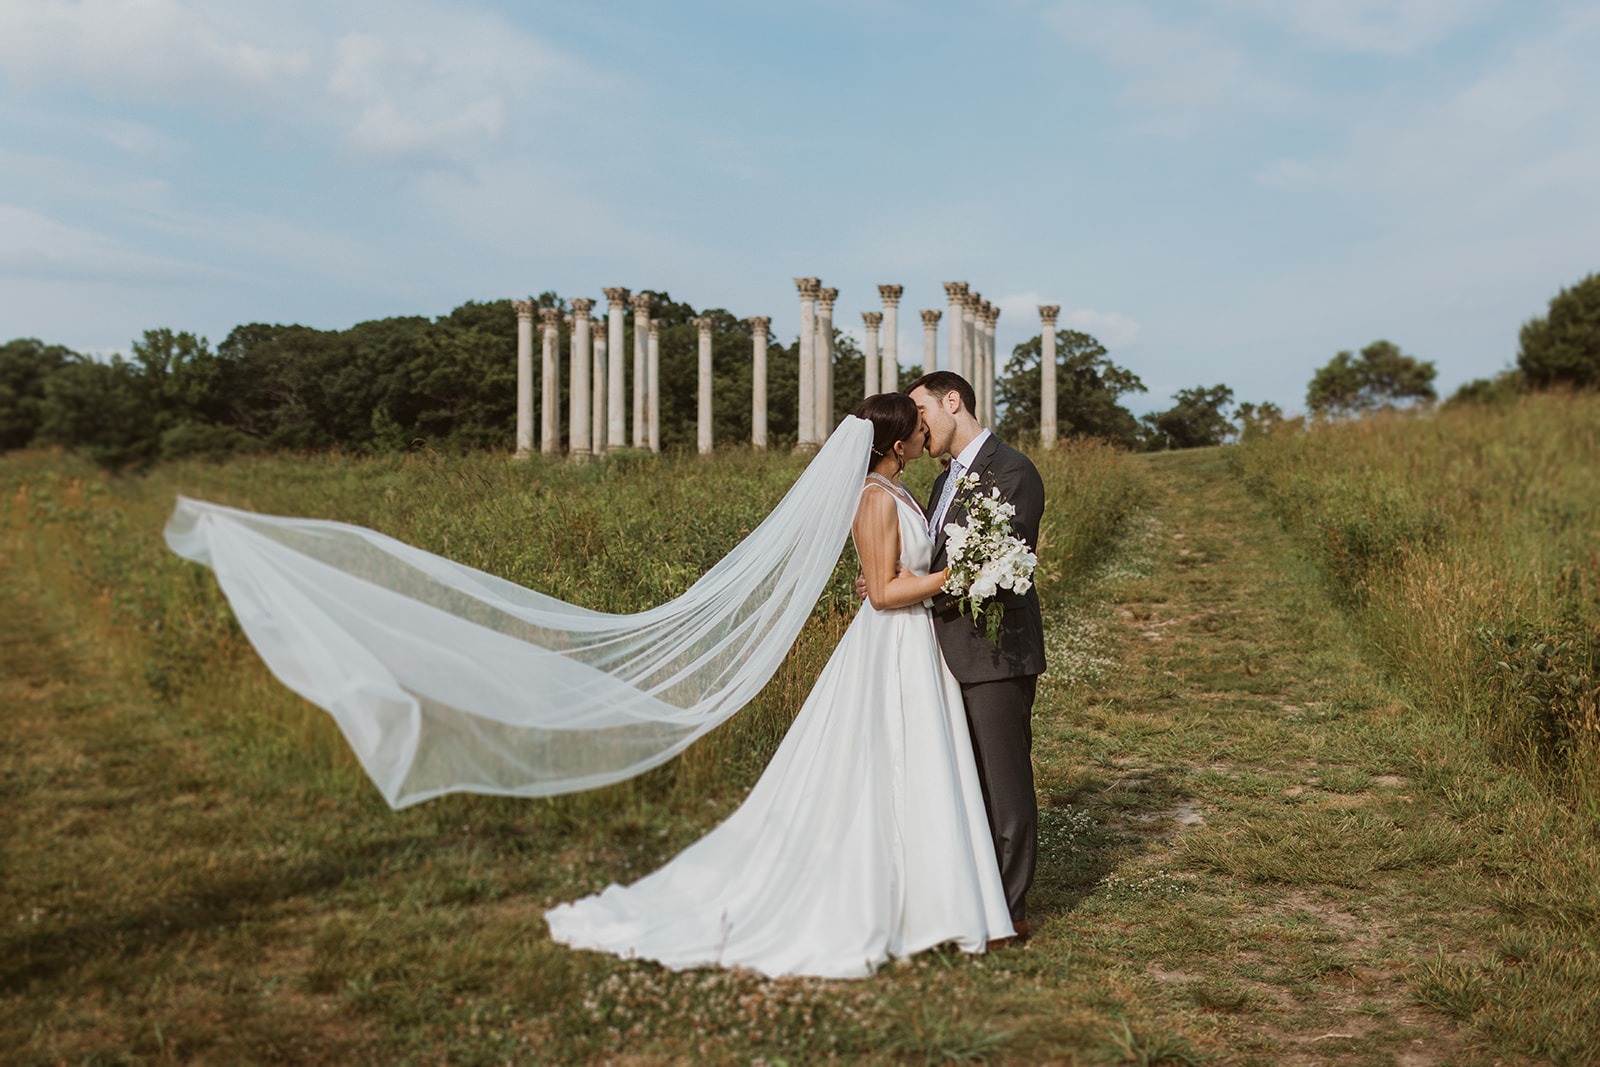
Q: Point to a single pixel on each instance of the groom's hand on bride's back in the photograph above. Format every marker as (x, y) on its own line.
(900, 571)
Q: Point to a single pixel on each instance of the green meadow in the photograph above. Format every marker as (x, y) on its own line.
(1316, 757)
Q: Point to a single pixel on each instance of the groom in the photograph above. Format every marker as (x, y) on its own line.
(998, 679)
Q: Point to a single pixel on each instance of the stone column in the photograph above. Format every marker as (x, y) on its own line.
(653, 386)
(550, 384)
(616, 370)
(969, 340)
(930, 340)
(641, 370)
(760, 326)
(824, 355)
(703, 408)
(598, 368)
(957, 292)
(889, 376)
(1047, 375)
(870, 356)
(578, 429)
(524, 310)
(807, 415)
(991, 315)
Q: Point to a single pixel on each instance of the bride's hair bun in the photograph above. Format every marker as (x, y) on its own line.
(894, 418)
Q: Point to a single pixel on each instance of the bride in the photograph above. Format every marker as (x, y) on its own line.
(866, 837)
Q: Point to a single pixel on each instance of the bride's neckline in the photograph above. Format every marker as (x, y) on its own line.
(894, 487)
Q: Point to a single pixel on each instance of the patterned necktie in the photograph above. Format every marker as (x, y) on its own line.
(950, 480)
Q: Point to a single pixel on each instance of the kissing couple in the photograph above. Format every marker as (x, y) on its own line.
(897, 814)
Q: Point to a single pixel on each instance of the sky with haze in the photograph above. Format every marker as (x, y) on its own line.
(1219, 190)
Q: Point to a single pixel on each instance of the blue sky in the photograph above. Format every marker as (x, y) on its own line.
(1221, 190)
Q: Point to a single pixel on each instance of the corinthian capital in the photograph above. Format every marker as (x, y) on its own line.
(890, 295)
(808, 287)
(1048, 313)
(617, 297)
(655, 327)
(581, 306)
(930, 318)
(550, 317)
(760, 325)
(524, 310)
(873, 319)
(703, 323)
(641, 306)
(825, 299)
(957, 291)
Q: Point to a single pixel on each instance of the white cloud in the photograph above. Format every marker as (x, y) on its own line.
(34, 247)
(1384, 26)
(1118, 332)
(1517, 134)
(145, 49)
(1179, 69)
(416, 83)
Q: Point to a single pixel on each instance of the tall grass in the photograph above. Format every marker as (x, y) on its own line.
(618, 535)
(1467, 542)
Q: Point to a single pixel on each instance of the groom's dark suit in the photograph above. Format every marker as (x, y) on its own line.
(998, 679)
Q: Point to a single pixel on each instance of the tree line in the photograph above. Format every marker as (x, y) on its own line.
(450, 383)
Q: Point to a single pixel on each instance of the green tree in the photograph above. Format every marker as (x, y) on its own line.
(1380, 377)
(1563, 347)
(1198, 419)
(1502, 388)
(25, 365)
(1256, 420)
(1089, 388)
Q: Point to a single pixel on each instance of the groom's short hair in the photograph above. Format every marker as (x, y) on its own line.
(942, 383)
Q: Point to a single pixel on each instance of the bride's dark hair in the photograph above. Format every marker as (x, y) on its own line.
(894, 418)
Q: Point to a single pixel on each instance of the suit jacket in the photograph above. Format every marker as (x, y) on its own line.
(1020, 650)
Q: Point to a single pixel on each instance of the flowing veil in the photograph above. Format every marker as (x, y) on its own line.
(446, 679)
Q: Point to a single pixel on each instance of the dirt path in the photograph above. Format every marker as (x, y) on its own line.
(1265, 878)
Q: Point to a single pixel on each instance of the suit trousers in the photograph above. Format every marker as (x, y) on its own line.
(1000, 716)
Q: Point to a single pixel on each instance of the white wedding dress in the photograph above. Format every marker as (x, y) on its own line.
(865, 839)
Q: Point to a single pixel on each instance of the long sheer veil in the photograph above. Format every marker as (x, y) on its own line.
(445, 679)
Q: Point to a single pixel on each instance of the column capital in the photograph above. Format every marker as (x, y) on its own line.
(973, 301)
(655, 327)
(581, 306)
(550, 317)
(873, 319)
(891, 294)
(808, 287)
(760, 325)
(703, 323)
(524, 310)
(825, 299)
(991, 314)
(1048, 313)
(930, 317)
(641, 305)
(956, 291)
(617, 297)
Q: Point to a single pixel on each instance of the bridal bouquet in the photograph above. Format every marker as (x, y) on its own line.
(985, 556)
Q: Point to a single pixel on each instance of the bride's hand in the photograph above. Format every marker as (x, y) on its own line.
(900, 571)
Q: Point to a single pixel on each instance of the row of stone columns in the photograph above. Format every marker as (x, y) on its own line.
(597, 417)
(597, 397)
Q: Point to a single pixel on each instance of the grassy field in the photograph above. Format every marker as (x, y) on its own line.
(1465, 544)
(1258, 845)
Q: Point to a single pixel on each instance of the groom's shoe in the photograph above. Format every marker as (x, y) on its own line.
(1023, 931)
